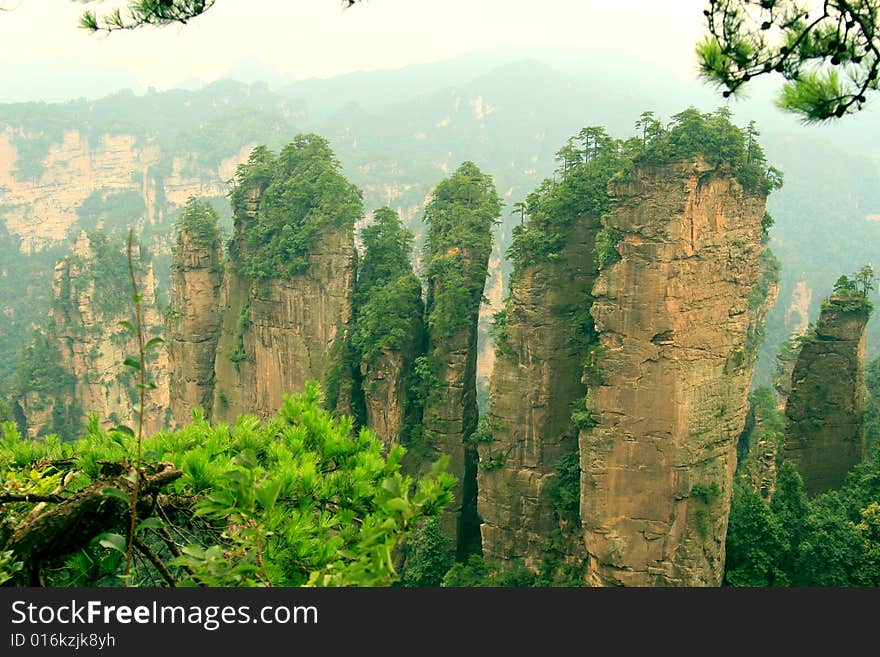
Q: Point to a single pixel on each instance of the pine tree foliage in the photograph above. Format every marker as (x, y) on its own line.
(460, 217)
(828, 53)
(296, 196)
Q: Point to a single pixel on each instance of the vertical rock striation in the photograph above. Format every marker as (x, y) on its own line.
(279, 333)
(92, 297)
(535, 382)
(193, 319)
(384, 380)
(824, 434)
(450, 418)
(668, 394)
(286, 299)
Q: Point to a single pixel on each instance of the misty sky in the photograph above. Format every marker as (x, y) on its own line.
(45, 56)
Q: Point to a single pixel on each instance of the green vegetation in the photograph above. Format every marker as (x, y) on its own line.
(389, 317)
(828, 540)
(564, 489)
(25, 299)
(388, 295)
(243, 323)
(42, 380)
(460, 216)
(761, 439)
(492, 462)
(606, 247)
(827, 54)
(427, 556)
(872, 410)
(387, 246)
(299, 499)
(475, 571)
(581, 418)
(224, 135)
(705, 496)
(499, 331)
(421, 385)
(39, 368)
(592, 159)
(579, 188)
(110, 210)
(102, 276)
(301, 196)
(199, 221)
(851, 293)
(215, 122)
(721, 142)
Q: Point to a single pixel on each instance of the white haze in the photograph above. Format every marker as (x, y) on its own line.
(46, 57)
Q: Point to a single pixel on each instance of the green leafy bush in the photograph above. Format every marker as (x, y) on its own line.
(606, 247)
(298, 499)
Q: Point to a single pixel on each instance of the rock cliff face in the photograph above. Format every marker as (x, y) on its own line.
(42, 209)
(450, 417)
(193, 325)
(785, 362)
(385, 393)
(535, 382)
(384, 382)
(668, 393)
(37, 411)
(759, 469)
(277, 334)
(88, 310)
(824, 435)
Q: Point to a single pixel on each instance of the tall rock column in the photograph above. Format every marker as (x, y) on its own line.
(389, 328)
(824, 435)
(460, 217)
(193, 318)
(534, 385)
(286, 300)
(668, 390)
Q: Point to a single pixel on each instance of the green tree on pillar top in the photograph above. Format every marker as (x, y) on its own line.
(460, 216)
(387, 245)
(388, 295)
(301, 194)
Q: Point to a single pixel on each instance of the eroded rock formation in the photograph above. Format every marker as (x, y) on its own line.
(824, 434)
(279, 333)
(460, 217)
(668, 394)
(92, 297)
(384, 381)
(41, 208)
(281, 329)
(193, 324)
(534, 385)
